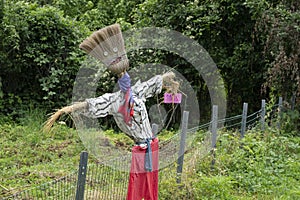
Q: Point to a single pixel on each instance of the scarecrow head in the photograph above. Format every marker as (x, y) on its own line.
(107, 45)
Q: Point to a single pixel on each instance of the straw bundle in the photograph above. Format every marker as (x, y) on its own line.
(65, 110)
(169, 83)
(107, 45)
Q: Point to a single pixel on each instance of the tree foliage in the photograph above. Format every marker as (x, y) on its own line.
(254, 43)
(224, 29)
(39, 55)
(279, 31)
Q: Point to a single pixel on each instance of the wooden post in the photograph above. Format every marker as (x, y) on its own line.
(244, 120)
(81, 175)
(182, 145)
(214, 127)
(263, 114)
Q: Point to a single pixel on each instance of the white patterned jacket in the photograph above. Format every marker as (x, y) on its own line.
(109, 103)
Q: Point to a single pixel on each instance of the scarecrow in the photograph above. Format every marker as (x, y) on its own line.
(128, 108)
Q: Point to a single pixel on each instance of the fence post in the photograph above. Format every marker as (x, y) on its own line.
(263, 114)
(293, 101)
(279, 112)
(154, 129)
(244, 119)
(182, 145)
(214, 126)
(81, 175)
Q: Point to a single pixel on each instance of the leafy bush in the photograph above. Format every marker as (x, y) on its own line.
(215, 187)
(39, 55)
(291, 123)
(264, 163)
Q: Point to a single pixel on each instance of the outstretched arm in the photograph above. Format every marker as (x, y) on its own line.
(65, 110)
(154, 85)
(96, 107)
(101, 106)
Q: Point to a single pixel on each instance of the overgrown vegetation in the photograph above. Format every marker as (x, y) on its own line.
(28, 157)
(254, 43)
(263, 165)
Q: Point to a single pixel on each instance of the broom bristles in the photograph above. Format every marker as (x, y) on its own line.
(100, 36)
(107, 45)
(65, 110)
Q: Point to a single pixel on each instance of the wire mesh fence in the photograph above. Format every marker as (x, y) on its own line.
(63, 188)
(105, 182)
(108, 180)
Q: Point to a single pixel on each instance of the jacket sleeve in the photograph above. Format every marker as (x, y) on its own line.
(100, 106)
(148, 88)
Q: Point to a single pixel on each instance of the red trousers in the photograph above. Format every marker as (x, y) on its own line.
(143, 185)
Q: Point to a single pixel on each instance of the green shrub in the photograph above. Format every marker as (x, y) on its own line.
(169, 189)
(214, 187)
(290, 123)
(264, 162)
(39, 57)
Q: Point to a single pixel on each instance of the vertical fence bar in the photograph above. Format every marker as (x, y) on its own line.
(293, 101)
(244, 119)
(81, 175)
(154, 129)
(263, 114)
(182, 145)
(214, 127)
(279, 112)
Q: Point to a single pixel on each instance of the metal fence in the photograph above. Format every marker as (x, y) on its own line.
(103, 181)
(63, 188)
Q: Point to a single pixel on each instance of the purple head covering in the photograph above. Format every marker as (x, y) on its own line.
(124, 82)
(127, 108)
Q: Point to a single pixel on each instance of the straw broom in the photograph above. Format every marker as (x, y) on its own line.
(106, 45)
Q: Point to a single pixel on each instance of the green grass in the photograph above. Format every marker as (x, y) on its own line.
(264, 165)
(29, 157)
